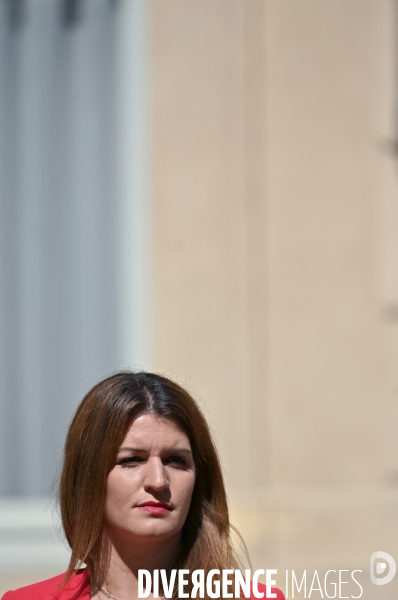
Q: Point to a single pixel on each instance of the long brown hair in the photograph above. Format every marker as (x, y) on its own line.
(97, 430)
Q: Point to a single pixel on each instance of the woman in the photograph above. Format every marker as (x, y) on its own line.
(141, 488)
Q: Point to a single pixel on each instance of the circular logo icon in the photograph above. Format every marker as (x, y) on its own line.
(379, 561)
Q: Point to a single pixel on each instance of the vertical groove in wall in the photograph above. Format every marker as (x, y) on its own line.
(133, 187)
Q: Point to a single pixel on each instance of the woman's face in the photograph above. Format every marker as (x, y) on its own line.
(149, 489)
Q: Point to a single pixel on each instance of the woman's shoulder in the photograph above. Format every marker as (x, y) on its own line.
(263, 590)
(77, 588)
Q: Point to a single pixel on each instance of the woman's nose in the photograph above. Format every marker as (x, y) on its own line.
(156, 476)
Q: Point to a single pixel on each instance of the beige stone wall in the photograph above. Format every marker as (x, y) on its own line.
(275, 262)
(209, 216)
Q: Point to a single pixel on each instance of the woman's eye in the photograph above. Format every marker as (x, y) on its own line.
(178, 461)
(130, 461)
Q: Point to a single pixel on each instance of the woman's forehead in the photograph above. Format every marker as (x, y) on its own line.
(149, 430)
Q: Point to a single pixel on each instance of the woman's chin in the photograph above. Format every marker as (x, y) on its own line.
(152, 531)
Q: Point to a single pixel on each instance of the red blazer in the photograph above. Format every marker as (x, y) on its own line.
(77, 588)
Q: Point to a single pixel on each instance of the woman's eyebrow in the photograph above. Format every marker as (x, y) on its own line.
(129, 449)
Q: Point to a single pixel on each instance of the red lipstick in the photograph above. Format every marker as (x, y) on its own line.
(155, 508)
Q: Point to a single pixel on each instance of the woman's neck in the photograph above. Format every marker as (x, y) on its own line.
(126, 557)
